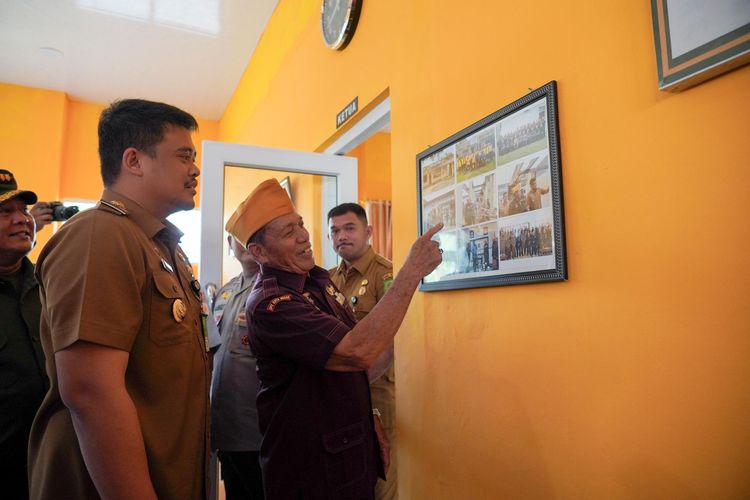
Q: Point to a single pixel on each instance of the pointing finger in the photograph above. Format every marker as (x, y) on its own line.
(432, 231)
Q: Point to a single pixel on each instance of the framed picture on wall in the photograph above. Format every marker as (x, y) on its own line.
(497, 189)
(696, 40)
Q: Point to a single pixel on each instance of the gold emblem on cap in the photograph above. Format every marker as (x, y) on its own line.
(179, 310)
(362, 290)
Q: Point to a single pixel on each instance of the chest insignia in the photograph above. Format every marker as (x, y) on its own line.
(225, 295)
(340, 298)
(245, 340)
(309, 298)
(330, 290)
(241, 320)
(362, 290)
(387, 281)
(179, 310)
(195, 285)
(166, 266)
(365, 282)
(275, 301)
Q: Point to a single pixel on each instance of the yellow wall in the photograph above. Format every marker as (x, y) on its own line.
(630, 380)
(374, 167)
(31, 141)
(50, 142)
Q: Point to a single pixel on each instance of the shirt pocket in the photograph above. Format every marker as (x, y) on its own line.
(164, 329)
(240, 341)
(345, 456)
(365, 304)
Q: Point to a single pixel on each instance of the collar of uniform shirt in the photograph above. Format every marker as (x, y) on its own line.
(296, 281)
(360, 266)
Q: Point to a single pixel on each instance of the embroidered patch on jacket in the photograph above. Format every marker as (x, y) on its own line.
(275, 301)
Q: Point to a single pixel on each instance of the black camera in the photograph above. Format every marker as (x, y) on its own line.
(60, 212)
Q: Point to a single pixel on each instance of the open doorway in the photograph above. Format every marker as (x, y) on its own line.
(368, 140)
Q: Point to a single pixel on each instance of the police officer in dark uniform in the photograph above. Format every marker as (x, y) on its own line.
(22, 378)
(314, 408)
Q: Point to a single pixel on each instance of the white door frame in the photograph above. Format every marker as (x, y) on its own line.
(372, 122)
(216, 155)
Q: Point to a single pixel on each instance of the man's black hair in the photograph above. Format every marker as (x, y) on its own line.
(135, 123)
(258, 237)
(345, 208)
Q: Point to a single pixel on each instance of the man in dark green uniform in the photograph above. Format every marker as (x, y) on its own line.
(363, 277)
(22, 378)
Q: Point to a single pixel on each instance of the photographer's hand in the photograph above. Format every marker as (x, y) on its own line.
(42, 214)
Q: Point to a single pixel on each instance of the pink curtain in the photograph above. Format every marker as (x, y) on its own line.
(379, 217)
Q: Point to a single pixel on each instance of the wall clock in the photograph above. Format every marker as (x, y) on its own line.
(338, 20)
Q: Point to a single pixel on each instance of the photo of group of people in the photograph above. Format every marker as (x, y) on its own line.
(479, 249)
(493, 192)
(476, 154)
(525, 240)
(522, 133)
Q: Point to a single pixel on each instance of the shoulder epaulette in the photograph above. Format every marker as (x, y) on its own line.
(115, 205)
(383, 261)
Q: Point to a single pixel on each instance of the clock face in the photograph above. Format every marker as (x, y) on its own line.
(338, 20)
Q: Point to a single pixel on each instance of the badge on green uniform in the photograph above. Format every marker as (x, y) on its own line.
(387, 281)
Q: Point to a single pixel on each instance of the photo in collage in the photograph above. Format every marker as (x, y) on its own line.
(492, 192)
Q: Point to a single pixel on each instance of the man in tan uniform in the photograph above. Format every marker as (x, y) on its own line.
(126, 415)
(534, 197)
(363, 277)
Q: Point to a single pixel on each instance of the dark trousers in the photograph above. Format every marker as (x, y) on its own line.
(240, 471)
(13, 467)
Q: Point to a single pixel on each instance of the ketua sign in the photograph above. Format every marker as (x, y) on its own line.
(347, 112)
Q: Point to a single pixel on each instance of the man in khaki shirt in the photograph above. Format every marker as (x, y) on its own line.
(363, 277)
(127, 412)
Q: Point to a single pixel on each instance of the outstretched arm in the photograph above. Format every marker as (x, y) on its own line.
(360, 348)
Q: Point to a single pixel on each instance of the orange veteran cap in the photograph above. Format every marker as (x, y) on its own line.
(267, 202)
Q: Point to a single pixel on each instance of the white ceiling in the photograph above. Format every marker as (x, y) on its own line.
(189, 53)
